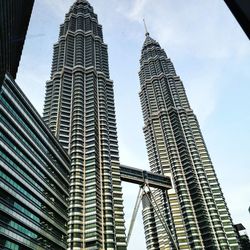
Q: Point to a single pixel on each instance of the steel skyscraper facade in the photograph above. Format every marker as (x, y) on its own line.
(194, 208)
(79, 109)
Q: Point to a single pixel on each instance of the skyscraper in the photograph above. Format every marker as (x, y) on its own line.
(79, 109)
(14, 21)
(194, 209)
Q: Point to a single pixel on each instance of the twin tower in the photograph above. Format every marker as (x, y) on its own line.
(79, 109)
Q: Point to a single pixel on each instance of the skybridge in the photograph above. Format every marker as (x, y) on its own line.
(143, 177)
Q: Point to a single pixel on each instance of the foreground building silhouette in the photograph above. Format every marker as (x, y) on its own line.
(195, 208)
(14, 21)
(79, 110)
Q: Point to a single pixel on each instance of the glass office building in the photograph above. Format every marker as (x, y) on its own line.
(34, 176)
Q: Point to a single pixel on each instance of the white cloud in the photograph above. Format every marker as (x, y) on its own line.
(199, 29)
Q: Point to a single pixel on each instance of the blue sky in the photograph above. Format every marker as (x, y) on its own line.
(210, 53)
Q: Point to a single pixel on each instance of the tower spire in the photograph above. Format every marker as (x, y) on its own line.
(145, 26)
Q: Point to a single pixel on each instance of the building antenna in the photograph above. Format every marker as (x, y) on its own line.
(145, 26)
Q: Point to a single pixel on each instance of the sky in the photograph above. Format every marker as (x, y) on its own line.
(210, 53)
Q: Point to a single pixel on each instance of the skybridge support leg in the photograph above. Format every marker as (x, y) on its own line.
(161, 217)
(157, 211)
(136, 208)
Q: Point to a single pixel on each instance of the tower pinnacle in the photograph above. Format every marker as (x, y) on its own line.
(145, 26)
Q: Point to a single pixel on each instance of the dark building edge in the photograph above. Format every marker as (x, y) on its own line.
(241, 11)
(14, 21)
